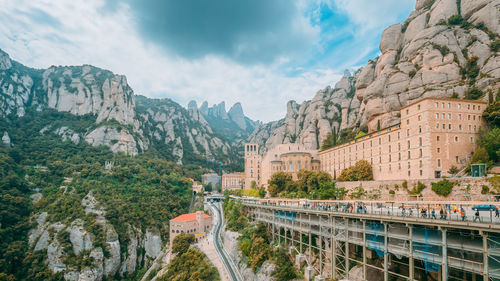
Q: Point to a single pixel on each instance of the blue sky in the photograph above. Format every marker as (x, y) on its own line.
(261, 53)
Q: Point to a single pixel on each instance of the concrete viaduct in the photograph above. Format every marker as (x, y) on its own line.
(333, 239)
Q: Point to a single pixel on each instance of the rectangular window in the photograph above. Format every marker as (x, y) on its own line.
(439, 162)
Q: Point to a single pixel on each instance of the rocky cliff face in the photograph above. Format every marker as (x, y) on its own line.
(445, 48)
(331, 109)
(87, 90)
(108, 259)
(179, 130)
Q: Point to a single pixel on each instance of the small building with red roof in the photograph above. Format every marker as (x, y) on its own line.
(197, 223)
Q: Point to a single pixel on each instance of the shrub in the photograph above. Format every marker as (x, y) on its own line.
(412, 73)
(392, 192)
(471, 70)
(455, 20)
(358, 192)
(473, 93)
(453, 170)
(443, 187)
(417, 190)
(491, 142)
(495, 46)
(485, 189)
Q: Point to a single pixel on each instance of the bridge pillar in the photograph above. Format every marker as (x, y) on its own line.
(444, 270)
(486, 273)
(310, 240)
(309, 272)
(386, 254)
(346, 225)
(364, 249)
(412, 263)
(334, 249)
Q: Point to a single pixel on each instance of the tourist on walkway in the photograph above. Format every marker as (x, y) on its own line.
(433, 214)
(476, 216)
(462, 214)
(497, 212)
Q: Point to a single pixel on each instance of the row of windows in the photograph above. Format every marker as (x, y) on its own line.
(460, 128)
(459, 116)
(459, 106)
(449, 106)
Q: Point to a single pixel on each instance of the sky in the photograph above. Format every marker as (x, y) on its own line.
(261, 53)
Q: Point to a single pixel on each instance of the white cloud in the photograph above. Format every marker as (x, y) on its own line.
(374, 14)
(89, 35)
(109, 40)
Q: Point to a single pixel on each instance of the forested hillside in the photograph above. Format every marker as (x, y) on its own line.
(65, 214)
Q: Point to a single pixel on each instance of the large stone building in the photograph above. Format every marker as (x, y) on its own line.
(193, 223)
(289, 158)
(232, 181)
(434, 135)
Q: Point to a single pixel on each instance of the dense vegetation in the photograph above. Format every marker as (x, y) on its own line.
(361, 171)
(255, 245)
(309, 184)
(190, 264)
(443, 187)
(143, 191)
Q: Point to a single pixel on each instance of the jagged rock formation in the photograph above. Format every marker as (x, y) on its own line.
(63, 241)
(331, 109)
(445, 48)
(233, 125)
(120, 124)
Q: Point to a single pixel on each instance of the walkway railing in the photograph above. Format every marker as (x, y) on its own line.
(476, 212)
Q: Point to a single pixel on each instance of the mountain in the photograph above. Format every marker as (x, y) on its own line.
(232, 125)
(445, 48)
(124, 122)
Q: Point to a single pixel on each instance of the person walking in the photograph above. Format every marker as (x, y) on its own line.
(497, 212)
(462, 214)
(433, 214)
(476, 216)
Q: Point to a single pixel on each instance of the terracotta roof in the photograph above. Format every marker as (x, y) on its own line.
(188, 217)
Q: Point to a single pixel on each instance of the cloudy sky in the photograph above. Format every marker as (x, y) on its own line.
(259, 52)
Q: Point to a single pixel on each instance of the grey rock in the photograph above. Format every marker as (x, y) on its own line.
(6, 139)
(236, 114)
(79, 237)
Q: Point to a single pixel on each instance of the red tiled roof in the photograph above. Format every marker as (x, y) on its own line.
(188, 217)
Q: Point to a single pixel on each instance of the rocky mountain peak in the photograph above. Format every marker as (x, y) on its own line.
(5, 62)
(236, 114)
(204, 108)
(192, 105)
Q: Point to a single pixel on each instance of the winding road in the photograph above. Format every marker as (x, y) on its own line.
(231, 268)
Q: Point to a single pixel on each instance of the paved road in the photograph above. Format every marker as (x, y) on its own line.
(232, 270)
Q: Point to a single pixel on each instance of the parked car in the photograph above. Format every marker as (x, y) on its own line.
(484, 207)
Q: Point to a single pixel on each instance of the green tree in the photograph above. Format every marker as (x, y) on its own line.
(279, 182)
(182, 242)
(491, 142)
(492, 114)
(361, 171)
(329, 141)
(480, 155)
